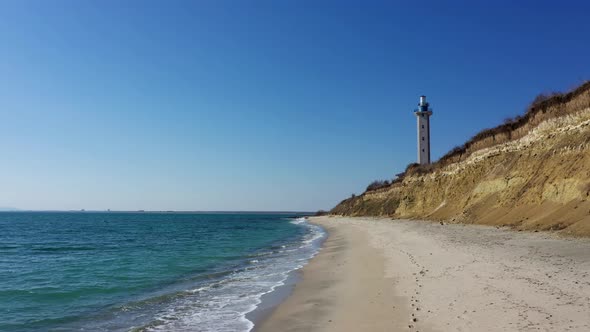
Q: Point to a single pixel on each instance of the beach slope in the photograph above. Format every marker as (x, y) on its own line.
(391, 275)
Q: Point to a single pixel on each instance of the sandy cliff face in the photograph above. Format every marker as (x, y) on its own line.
(539, 181)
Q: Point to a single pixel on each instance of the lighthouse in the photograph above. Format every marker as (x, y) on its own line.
(423, 114)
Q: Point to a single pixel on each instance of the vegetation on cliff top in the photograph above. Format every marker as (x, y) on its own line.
(544, 107)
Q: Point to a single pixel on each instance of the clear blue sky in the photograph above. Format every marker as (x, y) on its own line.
(258, 105)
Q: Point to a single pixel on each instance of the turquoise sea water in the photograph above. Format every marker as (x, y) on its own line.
(144, 271)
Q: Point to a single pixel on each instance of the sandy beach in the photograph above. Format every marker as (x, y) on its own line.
(391, 275)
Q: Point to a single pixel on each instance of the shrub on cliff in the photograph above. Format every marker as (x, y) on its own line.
(411, 166)
(417, 169)
(377, 184)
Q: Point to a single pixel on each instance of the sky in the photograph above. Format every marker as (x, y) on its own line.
(258, 105)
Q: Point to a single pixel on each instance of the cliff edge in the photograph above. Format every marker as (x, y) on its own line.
(530, 173)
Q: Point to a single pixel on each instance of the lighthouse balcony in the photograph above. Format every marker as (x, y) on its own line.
(423, 110)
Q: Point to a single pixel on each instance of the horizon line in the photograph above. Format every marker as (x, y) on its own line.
(156, 211)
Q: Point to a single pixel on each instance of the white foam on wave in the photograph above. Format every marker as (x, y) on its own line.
(300, 220)
(223, 306)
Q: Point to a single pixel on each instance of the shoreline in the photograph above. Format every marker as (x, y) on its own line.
(388, 275)
(271, 300)
(339, 290)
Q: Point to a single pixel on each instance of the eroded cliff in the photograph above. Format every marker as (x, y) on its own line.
(533, 175)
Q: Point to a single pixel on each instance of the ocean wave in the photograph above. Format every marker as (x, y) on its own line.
(63, 248)
(300, 220)
(223, 305)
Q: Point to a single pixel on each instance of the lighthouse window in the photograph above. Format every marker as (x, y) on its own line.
(422, 126)
(422, 150)
(422, 137)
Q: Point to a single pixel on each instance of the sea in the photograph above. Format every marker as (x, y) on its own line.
(123, 271)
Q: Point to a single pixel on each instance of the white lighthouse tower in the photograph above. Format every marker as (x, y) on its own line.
(423, 114)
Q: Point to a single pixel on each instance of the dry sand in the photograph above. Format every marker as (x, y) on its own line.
(380, 275)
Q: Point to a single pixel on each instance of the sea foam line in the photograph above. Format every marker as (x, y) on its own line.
(223, 306)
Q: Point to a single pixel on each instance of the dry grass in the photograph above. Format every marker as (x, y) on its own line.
(543, 107)
(377, 184)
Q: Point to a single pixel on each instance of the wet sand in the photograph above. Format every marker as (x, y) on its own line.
(384, 275)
